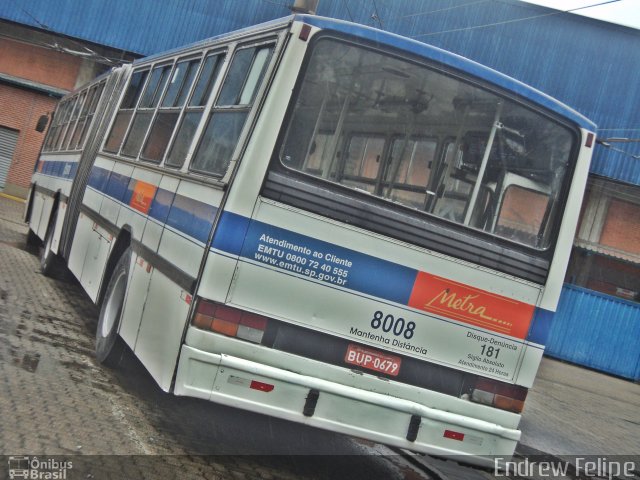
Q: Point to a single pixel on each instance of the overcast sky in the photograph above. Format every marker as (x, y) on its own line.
(623, 12)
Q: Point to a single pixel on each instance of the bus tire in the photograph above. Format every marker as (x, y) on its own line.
(49, 261)
(32, 239)
(109, 345)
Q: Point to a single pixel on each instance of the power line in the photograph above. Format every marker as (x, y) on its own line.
(514, 20)
(440, 10)
(87, 53)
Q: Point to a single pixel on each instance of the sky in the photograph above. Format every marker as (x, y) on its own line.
(623, 12)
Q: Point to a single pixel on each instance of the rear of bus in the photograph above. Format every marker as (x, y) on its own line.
(391, 248)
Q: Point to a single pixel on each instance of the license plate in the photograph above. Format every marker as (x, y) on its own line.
(373, 360)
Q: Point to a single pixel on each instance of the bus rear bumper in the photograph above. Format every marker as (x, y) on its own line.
(324, 404)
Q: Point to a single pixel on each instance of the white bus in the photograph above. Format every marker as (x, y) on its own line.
(322, 222)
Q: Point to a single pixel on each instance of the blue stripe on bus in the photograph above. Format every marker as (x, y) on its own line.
(117, 186)
(540, 326)
(192, 217)
(187, 215)
(161, 205)
(230, 233)
(98, 178)
(65, 170)
(74, 170)
(264, 243)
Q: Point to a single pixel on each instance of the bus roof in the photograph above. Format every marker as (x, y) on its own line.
(424, 50)
(452, 60)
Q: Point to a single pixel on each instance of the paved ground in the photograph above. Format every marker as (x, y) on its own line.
(575, 411)
(55, 400)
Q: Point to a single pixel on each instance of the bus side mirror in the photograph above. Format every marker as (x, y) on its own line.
(42, 123)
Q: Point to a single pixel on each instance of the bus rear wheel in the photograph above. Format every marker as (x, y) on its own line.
(109, 345)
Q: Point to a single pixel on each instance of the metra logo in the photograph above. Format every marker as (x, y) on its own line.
(471, 305)
(463, 304)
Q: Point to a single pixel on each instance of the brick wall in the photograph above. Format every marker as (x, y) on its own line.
(39, 64)
(622, 227)
(20, 111)
(21, 108)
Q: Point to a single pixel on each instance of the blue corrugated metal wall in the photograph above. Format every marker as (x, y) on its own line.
(598, 331)
(590, 65)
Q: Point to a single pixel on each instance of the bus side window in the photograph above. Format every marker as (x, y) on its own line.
(169, 110)
(81, 133)
(194, 109)
(142, 118)
(230, 112)
(129, 102)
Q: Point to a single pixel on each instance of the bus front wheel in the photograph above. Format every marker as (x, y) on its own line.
(109, 345)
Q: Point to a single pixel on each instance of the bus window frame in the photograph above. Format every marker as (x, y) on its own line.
(276, 41)
(119, 109)
(156, 98)
(278, 37)
(173, 109)
(223, 51)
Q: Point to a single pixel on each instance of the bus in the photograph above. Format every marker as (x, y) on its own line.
(322, 222)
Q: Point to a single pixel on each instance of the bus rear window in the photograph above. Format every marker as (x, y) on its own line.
(428, 141)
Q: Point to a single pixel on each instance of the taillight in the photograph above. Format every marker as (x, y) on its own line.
(500, 395)
(229, 321)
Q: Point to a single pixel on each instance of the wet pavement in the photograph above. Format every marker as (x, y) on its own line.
(57, 403)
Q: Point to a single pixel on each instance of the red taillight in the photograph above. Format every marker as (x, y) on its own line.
(263, 387)
(500, 395)
(453, 435)
(229, 321)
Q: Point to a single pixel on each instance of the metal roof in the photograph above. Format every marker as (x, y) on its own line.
(592, 66)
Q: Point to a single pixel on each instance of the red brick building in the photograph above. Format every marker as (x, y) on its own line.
(36, 69)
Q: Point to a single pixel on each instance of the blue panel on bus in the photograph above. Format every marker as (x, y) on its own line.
(192, 217)
(99, 178)
(161, 205)
(117, 186)
(271, 245)
(74, 169)
(230, 233)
